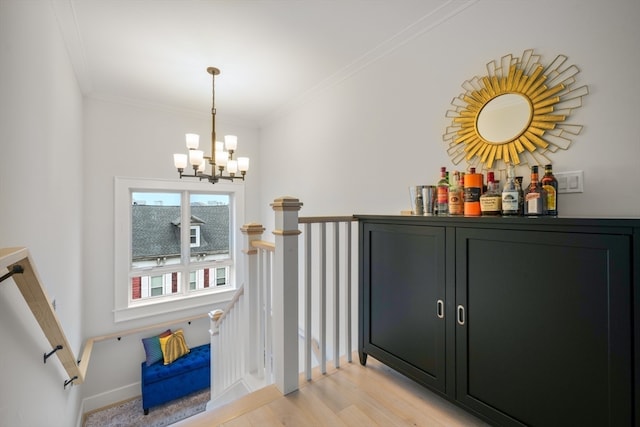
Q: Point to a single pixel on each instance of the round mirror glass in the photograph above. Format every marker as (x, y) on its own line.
(504, 118)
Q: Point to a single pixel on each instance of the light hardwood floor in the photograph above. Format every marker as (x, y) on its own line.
(353, 395)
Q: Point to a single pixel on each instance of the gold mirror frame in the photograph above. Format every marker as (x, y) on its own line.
(552, 99)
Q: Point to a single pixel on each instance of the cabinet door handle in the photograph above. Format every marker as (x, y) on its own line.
(461, 315)
(440, 309)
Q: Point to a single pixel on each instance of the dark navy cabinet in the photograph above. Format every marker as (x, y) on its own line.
(405, 295)
(521, 321)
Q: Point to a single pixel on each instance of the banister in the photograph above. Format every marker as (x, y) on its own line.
(263, 244)
(230, 305)
(133, 331)
(36, 298)
(320, 219)
(88, 346)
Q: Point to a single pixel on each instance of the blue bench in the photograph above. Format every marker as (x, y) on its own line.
(163, 383)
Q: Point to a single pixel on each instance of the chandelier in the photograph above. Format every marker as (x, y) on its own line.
(220, 161)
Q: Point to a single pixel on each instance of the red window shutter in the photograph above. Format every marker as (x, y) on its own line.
(136, 288)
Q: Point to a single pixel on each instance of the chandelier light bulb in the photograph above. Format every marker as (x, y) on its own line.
(231, 142)
(195, 157)
(221, 158)
(232, 166)
(193, 141)
(180, 161)
(243, 164)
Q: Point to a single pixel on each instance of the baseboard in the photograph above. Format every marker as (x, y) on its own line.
(110, 397)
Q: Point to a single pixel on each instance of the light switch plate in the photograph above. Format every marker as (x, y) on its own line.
(570, 182)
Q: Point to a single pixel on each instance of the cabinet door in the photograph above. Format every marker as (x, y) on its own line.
(402, 291)
(543, 334)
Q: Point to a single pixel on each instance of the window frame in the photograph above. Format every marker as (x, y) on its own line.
(195, 236)
(124, 309)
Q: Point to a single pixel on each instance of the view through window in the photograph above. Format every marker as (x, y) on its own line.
(180, 243)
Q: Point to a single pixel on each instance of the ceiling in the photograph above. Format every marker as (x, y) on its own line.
(273, 54)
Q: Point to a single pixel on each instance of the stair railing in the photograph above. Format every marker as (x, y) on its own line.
(268, 341)
(331, 255)
(23, 272)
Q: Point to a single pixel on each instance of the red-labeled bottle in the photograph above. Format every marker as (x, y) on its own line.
(472, 192)
(442, 192)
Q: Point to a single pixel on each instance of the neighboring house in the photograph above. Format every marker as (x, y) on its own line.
(156, 239)
(156, 231)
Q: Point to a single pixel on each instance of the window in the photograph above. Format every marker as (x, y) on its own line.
(176, 245)
(221, 276)
(195, 236)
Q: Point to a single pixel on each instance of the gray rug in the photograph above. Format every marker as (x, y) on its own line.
(130, 414)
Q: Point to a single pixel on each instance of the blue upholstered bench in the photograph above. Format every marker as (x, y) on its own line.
(163, 383)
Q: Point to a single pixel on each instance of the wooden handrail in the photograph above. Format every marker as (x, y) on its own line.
(263, 244)
(35, 296)
(230, 305)
(147, 328)
(88, 346)
(319, 219)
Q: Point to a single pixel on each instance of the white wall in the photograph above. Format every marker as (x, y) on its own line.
(136, 141)
(41, 203)
(357, 146)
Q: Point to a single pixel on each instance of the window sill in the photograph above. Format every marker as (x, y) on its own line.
(163, 307)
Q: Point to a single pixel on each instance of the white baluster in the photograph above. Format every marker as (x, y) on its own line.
(322, 303)
(308, 333)
(336, 294)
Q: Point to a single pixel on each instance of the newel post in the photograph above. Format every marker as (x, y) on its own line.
(285, 294)
(252, 232)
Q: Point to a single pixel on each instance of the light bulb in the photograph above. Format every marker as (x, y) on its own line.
(180, 161)
(231, 142)
(243, 164)
(193, 141)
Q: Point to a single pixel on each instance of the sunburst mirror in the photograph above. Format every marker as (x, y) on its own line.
(517, 113)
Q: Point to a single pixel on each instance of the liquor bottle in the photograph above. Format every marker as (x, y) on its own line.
(510, 194)
(535, 198)
(519, 181)
(456, 195)
(491, 200)
(442, 191)
(550, 185)
(472, 191)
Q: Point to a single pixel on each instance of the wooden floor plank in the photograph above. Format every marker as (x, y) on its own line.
(354, 417)
(306, 400)
(234, 409)
(375, 409)
(260, 417)
(289, 415)
(394, 396)
(352, 395)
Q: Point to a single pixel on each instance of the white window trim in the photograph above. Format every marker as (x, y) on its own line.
(123, 311)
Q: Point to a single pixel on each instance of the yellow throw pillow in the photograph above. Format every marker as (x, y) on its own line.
(173, 346)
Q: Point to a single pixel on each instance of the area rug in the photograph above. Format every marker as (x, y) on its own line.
(129, 413)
